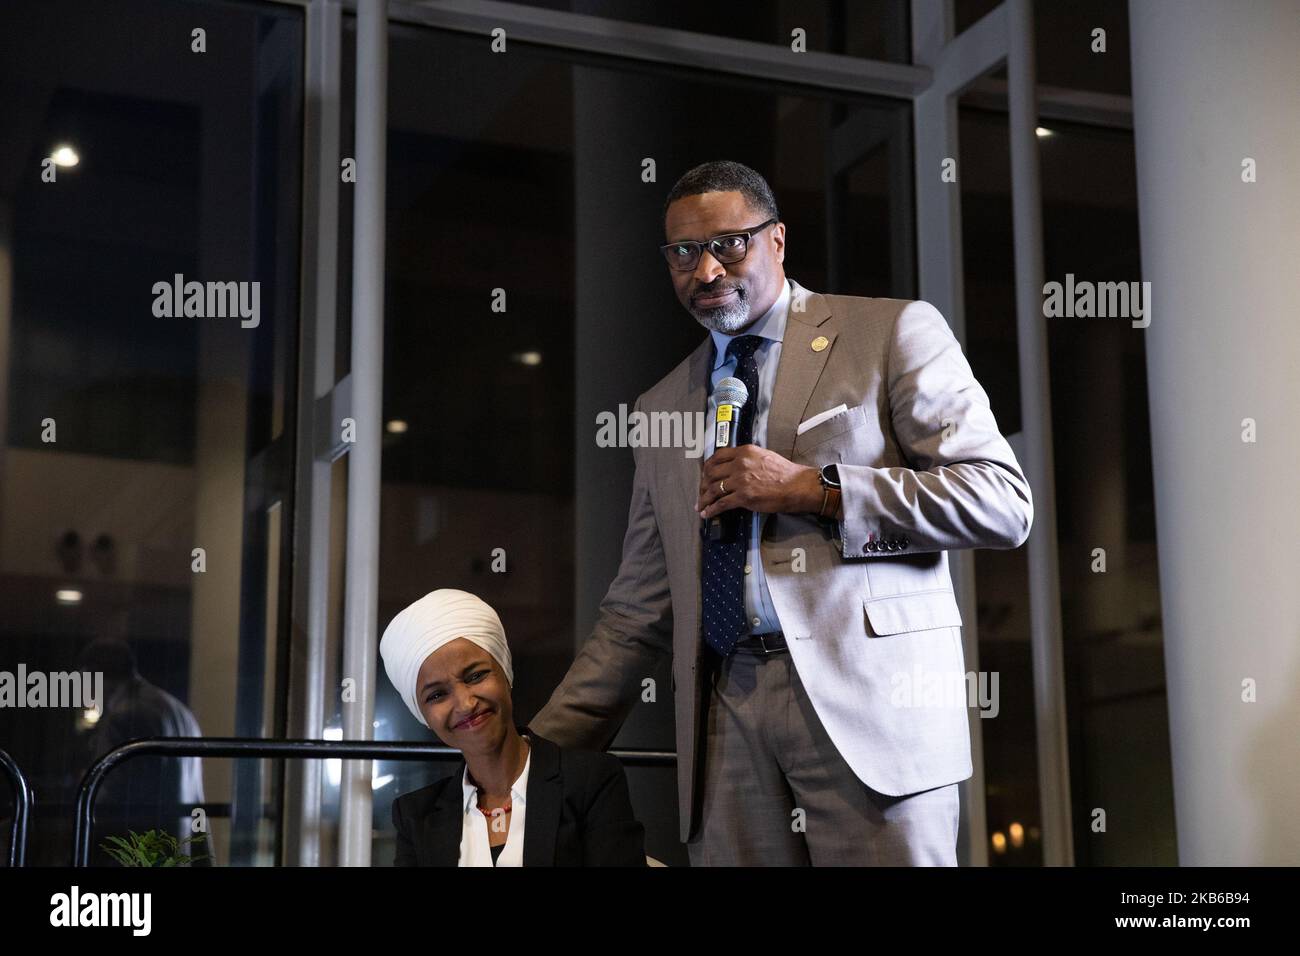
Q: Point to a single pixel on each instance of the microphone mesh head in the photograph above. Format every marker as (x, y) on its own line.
(731, 391)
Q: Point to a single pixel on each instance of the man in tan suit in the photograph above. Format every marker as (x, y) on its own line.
(810, 624)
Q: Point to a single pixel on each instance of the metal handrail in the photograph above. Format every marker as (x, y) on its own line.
(22, 806)
(294, 749)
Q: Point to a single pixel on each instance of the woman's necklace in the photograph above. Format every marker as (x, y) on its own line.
(506, 808)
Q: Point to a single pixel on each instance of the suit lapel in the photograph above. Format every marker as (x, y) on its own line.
(800, 367)
(693, 400)
(443, 825)
(542, 821)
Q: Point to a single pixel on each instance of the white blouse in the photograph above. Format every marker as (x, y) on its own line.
(474, 847)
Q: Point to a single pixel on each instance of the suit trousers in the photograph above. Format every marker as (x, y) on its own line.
(776, 791)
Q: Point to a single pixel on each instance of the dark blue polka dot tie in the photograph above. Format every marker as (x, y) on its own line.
(722, 574)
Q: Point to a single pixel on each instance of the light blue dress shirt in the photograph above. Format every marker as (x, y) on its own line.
(771, 327)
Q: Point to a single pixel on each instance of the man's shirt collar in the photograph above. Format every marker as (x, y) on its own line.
(770, 326)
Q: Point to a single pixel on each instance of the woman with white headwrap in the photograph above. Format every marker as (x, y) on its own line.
(518, 799)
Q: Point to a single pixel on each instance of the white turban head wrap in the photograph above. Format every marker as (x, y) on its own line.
(436, 619)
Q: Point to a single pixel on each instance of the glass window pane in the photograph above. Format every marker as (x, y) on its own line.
(1064, 42)
(140, 423)
(1111, 618)
(1010, 738)
(988, 255)
(1002, 583)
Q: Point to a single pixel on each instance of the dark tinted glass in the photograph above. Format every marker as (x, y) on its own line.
(146, 436)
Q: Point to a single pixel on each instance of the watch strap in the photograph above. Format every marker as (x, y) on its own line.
(830, 503)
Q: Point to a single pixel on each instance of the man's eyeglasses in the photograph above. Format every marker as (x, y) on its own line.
(684, 256)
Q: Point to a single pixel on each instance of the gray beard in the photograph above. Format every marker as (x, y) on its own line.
(727, 319)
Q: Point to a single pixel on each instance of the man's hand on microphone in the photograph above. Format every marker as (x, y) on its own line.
(757, 479)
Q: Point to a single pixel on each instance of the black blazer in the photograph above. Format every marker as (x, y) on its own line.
(579, 814)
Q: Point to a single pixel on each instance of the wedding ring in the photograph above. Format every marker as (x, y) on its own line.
(722, 486)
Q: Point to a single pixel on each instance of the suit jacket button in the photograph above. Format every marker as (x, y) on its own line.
(869, 547)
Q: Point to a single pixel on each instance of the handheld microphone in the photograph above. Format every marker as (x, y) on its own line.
(731, 395)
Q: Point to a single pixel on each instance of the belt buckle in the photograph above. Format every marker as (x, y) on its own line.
(762, 642)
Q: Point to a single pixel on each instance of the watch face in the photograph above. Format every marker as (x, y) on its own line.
(831, 475)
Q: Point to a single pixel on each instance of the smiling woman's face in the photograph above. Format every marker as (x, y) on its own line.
(464, 696)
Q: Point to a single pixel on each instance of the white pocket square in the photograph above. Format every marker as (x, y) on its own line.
(819, 418)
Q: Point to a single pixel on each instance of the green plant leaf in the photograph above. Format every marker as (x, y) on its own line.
(152, 848)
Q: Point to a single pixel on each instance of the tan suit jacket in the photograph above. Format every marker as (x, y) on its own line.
(867, 605)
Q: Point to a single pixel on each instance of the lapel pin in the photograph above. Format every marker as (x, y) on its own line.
(819, 344)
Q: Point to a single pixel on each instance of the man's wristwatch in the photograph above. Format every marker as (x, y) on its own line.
(830, 479)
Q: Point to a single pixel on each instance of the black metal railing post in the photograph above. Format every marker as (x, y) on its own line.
(22, 807)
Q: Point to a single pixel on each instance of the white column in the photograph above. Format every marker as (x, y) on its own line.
(361, 637)
(1214, 84)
